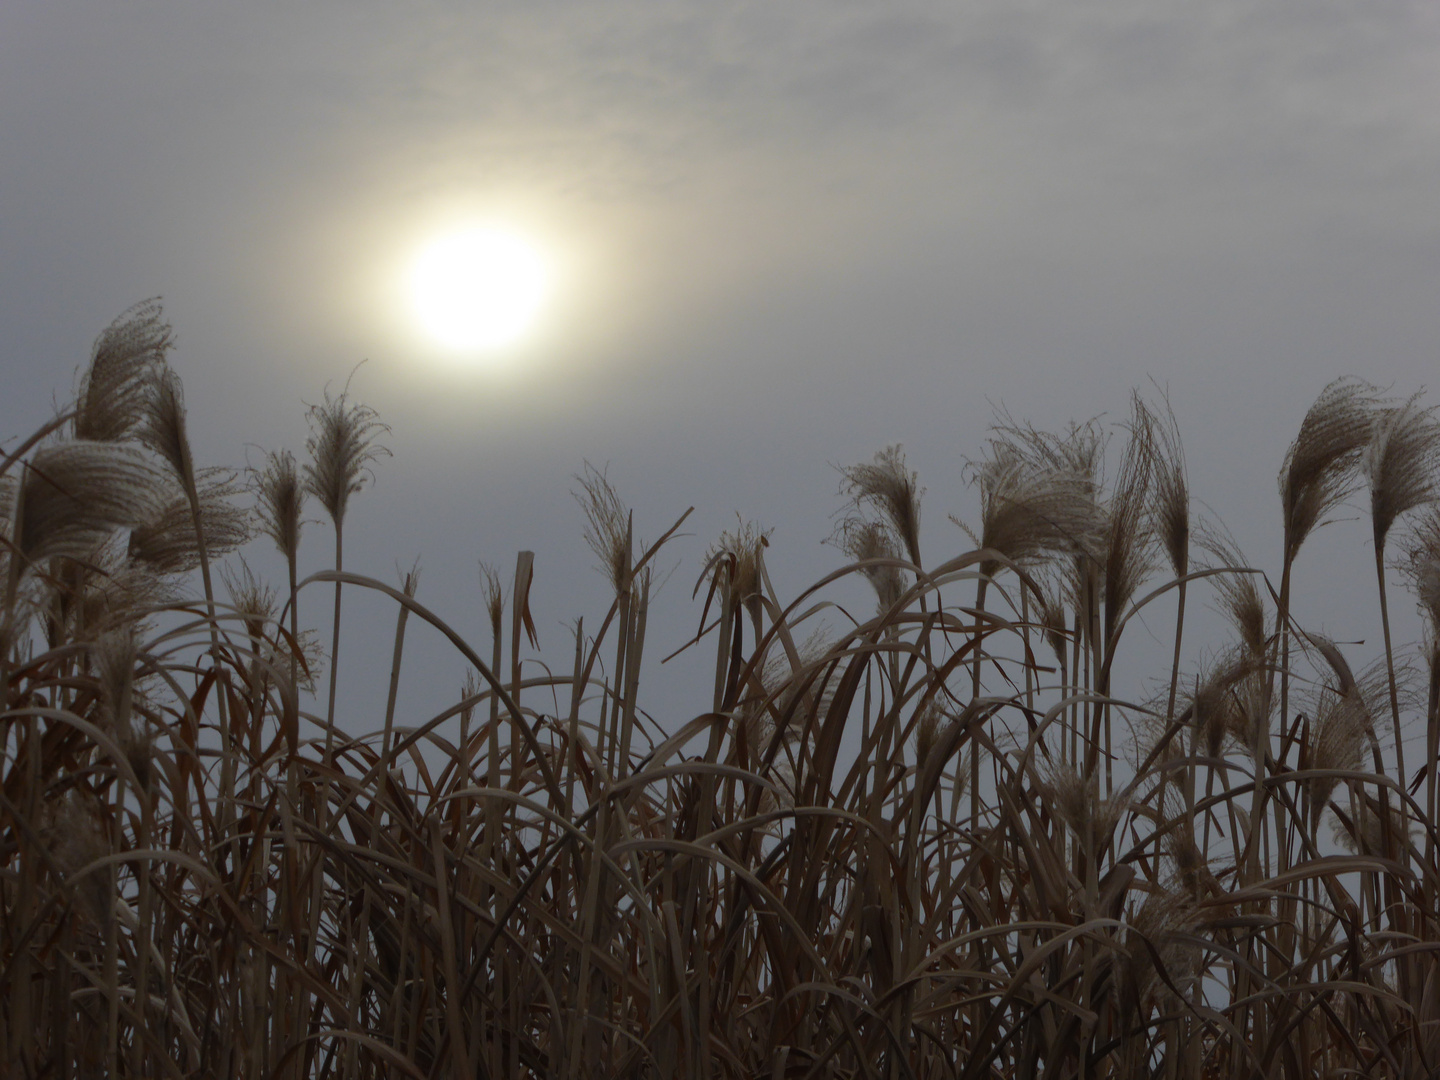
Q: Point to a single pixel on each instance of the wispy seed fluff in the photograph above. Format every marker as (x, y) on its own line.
(167, 542)
(1239, 593)
(607, 525)
(1076, 802)
(254, 600)
(280, 500)
(164, 430)
(1400, 462)
(736, 556)
(75, 838)
(1337, 740)
(1031, 509)
(890, 490)
(1319, 469)
(113, 393)
(344, 440)
(1129, 542)
(494, 597)
(1171, 509)
(1422, 566)
(76, 494)
(115, 658)
(869, 542)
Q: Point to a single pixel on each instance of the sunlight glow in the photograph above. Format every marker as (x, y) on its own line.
(479, 289)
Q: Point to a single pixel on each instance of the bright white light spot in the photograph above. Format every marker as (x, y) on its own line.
(479, 289)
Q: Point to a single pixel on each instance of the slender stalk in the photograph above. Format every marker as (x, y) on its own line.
(1390, 673)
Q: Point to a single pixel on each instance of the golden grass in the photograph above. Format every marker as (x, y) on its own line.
(917, 847)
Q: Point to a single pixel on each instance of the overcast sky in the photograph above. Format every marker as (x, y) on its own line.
(787, 234)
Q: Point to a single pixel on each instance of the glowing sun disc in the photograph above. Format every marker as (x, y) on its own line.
(478, 289)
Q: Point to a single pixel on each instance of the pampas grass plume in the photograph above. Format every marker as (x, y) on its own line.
(113, 396)
(344, 440)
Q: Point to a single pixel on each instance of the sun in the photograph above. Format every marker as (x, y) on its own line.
(478, 289)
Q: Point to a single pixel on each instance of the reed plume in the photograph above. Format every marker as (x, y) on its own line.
(1320, 466)
(1031, 510)
(169, 542)
(1400, 463)
(114, 393)
(607, 526)
(887, 488)
(280, 501)
(873, 544)
(76, 494)
(344, 442)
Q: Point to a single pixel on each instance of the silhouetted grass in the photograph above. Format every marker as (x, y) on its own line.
(935, 843)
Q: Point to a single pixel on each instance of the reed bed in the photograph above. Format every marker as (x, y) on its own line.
(933, 842)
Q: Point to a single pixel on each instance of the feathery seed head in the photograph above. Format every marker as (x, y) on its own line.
(468, 689)
(76, 494)
(1080, 451)
(280, 500)
(1192, 868)
(167, 542)
(1239, 595)
(1171, 508)
(309, 654)
(1400, 462)
(1034, 500)
(164, 430)
(925, 730)
(1367, 836)
(864, 541)
(253, 600)
(889, 489)
(410, 580)
(607, 525)
(113, 395)
(1165, 923)
(494, 596)
(1129, 555)
(1423, 567)
(1052, 621)
(1319, 469)
(1076, 801)
(737, 555)
(119, 592)
(115, 655)
(344, 440)
(796, 693)
(1219, 702)
(1337, 739)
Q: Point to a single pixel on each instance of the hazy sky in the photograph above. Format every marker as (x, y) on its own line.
(788, 234)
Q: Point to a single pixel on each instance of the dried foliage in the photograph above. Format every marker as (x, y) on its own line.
(903, 848)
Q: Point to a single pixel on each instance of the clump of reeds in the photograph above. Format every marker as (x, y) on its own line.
(909, 846)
